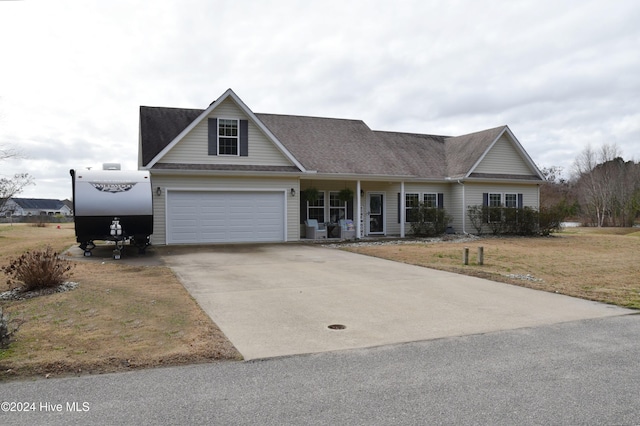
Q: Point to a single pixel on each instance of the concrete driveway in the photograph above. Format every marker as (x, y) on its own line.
(275, 300)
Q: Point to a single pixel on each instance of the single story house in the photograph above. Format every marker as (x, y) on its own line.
(227, 174)
(35, 207)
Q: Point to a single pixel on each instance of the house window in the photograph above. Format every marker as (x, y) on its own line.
(411, 202)
(430, 200)
(495, 202)
(315, 209)
(337, 207)
(228, 140)
(511, 200)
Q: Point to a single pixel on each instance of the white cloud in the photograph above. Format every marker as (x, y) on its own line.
(561, 74)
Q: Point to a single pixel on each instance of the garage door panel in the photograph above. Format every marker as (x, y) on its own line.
(217, 217)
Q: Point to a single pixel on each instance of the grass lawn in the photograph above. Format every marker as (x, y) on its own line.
(120, 317)
(596, 264)
(125, 316)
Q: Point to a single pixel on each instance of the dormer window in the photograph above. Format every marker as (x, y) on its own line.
(228, 140)
(228, 136)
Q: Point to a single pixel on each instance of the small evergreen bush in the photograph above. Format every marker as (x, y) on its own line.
(37, 270)
(428, 221)
(511, 221)
(551, 219)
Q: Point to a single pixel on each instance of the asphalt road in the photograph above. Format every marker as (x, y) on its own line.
(577, 373)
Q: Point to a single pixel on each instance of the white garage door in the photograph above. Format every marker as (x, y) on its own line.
(224, 217)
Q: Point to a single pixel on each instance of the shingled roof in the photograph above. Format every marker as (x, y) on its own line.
(159, 126)
(338, 146)
(39, 203)
(462, 152)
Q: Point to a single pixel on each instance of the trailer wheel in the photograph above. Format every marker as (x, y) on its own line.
(87, 246)
(142, 242)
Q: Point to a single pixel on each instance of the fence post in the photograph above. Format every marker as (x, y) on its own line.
(465, 256)
(480, 255)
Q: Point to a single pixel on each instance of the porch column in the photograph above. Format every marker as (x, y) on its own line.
(401, 210)
(357, 213)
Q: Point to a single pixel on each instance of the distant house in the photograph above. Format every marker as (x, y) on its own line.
(227, 174)
(69, 204)
(35, 207)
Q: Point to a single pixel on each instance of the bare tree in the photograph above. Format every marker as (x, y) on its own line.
(606, 185)
(556, 193)
(553, 174)
(12, 186)
(626, 200)
(587, 184)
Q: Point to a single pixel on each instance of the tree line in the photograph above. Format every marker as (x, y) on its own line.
(603, 189)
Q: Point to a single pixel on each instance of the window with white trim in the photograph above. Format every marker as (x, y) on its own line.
(411, 202)
(337, 207)
(511, 200)
(228, 139)
(430, 200)
(495, 202)
(315, 209)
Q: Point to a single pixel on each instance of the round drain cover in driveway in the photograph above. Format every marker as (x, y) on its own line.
(337, 327)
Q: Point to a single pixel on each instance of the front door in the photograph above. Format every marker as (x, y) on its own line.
(376, 213)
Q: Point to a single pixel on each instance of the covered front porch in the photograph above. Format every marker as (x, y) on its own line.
(372, 208)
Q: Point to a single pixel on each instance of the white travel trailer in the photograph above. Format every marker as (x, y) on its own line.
(112, 205)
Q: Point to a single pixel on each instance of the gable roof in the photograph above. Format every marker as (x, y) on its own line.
(336, 146)
(464, 152)
(169, 140)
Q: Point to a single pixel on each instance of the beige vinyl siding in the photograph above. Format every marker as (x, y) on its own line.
(473, 194)
(503, 158)
(194, 147)
(457, 198)
(415, 188)
(223, 183)
(456, 209)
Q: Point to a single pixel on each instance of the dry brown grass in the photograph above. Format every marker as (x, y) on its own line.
(120, 317)
(591, 263)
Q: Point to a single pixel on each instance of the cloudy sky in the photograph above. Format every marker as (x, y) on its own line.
(73, 74)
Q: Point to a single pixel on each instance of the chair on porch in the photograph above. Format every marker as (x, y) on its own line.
(314, 230)
(347, 230)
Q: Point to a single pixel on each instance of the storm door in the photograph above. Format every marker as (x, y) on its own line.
(376, 213)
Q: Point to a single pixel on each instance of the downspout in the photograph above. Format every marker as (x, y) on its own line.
(401, 209)
(539, 206)
(358, 212)
(464, 201)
